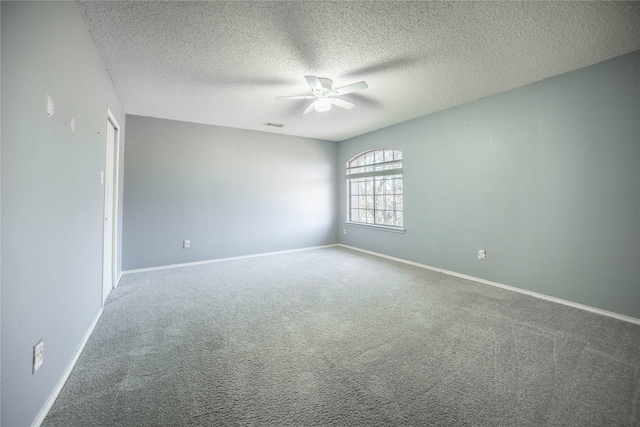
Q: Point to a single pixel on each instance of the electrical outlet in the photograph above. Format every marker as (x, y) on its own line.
(344, 231)
(38, 355)
(482, 255)
(186, 244)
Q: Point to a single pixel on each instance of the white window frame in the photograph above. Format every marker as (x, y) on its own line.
(384, 167)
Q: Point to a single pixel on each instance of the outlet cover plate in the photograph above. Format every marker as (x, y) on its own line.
(186, 244)
(482, 255)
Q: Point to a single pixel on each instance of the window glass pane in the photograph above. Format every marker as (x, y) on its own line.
(397, 155)
(388, 185)
(369, 183)
(379, 217)
(379, 156)
(398, 202)
(399, 219)
(368, 158)
(391, 188)
(389, 215)
(360, 160)
(370, 216)
(388, 155)
(364, 215)
(379, 184)
(355, 201)
(369, 202)
(388, 202)
(362, 186)
(379, 202)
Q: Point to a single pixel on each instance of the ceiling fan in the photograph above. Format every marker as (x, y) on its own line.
(325, 96)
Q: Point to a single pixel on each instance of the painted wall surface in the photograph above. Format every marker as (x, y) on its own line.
(52, 198)
(230, 192)
(545, 178)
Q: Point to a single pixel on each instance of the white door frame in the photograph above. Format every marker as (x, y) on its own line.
(115, 168)
(116, 195)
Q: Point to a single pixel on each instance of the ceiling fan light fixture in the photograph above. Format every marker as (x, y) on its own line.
(323, 94)
(322, 104)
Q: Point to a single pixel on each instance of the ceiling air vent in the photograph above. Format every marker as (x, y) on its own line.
(275, 125)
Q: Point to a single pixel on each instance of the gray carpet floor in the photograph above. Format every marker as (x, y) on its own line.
(334, 337)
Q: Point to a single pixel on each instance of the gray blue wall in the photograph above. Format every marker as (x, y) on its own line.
(545, 178)
(231, 192)
(52, 199)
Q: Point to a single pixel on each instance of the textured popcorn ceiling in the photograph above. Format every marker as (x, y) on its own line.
(224, 63)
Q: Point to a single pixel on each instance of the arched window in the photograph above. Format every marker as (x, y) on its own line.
(374, 188)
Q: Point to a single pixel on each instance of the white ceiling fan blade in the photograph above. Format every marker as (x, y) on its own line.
(342, 103)
(310, 108)
(314, 83)
(296, 97)
(350, 88)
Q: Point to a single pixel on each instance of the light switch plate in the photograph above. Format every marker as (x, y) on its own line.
(38, 355)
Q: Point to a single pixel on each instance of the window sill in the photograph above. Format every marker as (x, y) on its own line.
(376, 227)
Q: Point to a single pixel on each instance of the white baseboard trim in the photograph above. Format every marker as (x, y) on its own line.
(187, 264)
(65, 375)
(500, 285)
